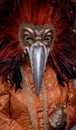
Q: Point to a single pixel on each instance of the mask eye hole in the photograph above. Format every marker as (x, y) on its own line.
(47, 39)
(28, 38)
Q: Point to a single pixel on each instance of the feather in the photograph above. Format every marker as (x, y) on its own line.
(61, 14)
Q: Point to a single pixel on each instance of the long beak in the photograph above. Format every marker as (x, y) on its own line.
(38, 54)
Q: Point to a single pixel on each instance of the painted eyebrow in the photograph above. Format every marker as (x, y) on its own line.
(48, 30)
(28, 29)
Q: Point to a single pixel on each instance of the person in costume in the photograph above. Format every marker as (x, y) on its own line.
(37, 65)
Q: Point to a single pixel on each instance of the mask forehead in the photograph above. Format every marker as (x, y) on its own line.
(38, 32)
(36, 28)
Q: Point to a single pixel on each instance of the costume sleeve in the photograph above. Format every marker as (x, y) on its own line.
(71, 106)
(6, 123)
(70, 109)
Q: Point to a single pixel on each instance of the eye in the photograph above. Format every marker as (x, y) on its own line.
(47, 39)
(28, 38)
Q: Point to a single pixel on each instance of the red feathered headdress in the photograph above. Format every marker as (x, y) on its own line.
(38, 12)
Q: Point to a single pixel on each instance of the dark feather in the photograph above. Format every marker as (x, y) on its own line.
(17, 78)
(4, 43)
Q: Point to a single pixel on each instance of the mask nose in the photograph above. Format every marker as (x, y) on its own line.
(38, 54)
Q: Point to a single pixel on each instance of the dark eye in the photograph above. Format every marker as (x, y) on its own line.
(28, 38)
(47, 39)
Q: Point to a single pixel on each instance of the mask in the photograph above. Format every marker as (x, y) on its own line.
(37, 41)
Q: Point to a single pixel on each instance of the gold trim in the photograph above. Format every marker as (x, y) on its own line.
(45, 107)
(30, 107)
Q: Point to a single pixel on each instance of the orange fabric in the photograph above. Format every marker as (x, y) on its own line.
(14, 114)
